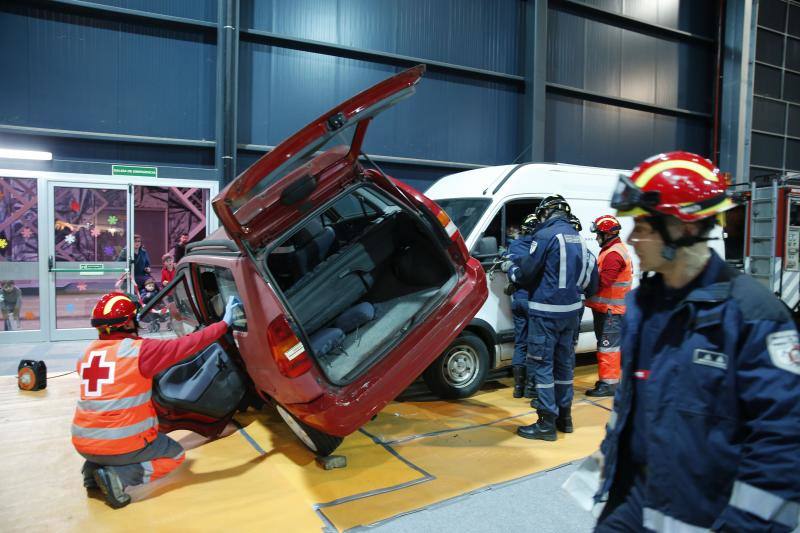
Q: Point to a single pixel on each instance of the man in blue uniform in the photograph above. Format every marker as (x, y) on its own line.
(705, 431)
(518, 248)
(551, 272)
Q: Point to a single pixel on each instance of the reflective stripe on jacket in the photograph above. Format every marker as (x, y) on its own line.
(114, 414)
(612, 298)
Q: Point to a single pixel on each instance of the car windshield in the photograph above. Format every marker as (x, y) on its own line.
(464, 212)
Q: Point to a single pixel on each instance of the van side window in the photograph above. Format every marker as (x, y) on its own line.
(216, 286)
(511, 214)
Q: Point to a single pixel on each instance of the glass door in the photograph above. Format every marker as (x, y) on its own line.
(89, 236)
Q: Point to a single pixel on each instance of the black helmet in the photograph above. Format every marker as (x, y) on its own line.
(552, 202)
(575, 221)
(530, 223)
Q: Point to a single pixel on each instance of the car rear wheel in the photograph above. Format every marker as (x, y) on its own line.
(460, 371)
(318, 442)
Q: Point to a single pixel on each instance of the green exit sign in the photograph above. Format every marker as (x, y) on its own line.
(128, 170)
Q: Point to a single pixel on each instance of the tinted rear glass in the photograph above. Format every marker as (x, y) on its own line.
(464, 212)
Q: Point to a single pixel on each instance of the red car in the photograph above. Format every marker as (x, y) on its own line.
(352, 283)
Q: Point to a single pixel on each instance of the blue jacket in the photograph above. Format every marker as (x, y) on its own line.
(722, 409)
(591, 277)
(552, 270)
(517, 249)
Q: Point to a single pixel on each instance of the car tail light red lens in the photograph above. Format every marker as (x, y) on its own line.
(287, 350)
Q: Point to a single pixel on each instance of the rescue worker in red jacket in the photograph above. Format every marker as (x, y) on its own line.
(608, 304)
(115, 427)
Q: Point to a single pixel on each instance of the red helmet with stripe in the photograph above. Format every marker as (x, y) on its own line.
(679, 184)
(113, 309)
(606, 224)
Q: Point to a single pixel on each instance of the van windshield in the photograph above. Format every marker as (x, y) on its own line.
(464, 212)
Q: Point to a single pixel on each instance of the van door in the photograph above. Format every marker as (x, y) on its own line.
(204, 391)
(497, 309)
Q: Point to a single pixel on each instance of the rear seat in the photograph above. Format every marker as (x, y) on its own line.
(342, 279)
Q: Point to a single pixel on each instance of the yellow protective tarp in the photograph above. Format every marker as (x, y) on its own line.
(261, 478)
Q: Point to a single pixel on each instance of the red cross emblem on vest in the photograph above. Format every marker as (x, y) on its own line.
(96, 373)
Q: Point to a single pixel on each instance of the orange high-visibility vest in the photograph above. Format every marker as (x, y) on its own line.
(115, 414)
(612, 298)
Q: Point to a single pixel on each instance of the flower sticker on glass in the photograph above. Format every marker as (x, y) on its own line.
(26, 233)
(112, 219)
(109, 251)
(70, 308)
(3, 243)
(95, 232)
(70, 239)
(29, 315)
(81, 286)
(75, 206)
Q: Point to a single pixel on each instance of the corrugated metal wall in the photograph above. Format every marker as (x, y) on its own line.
(600, 68)
(617, 89)
(775, 147)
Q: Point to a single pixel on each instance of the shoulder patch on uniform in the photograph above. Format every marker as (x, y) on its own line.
(573, 239)
(534, 244)
(784, 350)
(709, 358)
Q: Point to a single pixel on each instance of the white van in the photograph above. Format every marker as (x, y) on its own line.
(483, 203)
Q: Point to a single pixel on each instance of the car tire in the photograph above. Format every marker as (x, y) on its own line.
(461, 370)
(317, 441)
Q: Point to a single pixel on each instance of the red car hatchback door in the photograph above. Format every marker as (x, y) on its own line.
(274, 192)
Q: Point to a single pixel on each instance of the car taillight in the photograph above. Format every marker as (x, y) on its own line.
(287, 350)
(452, 232)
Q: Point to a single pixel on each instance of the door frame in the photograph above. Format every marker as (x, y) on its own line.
(44, 179)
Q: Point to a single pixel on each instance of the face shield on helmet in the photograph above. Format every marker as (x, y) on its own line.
(530, 223)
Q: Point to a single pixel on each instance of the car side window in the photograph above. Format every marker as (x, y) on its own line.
(217, 285)
(172, 313)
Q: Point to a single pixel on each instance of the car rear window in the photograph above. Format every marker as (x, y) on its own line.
(464, 212)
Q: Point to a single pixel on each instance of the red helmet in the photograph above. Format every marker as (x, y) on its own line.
(679, 184)
(113, 309)
(606, 224)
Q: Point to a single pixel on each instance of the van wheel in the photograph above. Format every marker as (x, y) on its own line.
(460, 371)
(318, 442)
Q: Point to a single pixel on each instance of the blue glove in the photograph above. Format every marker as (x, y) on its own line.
(233, 305)
(505, 266)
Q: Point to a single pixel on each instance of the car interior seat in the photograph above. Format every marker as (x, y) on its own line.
(211, 293)
(312, 244)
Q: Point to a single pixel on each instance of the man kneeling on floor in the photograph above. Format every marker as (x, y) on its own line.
(115, 427)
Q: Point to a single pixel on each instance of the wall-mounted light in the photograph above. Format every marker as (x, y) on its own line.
(25, 154)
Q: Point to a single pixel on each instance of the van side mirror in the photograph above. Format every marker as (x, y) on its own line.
(486, 250)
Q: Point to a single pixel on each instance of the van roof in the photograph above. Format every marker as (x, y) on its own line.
(544, 178)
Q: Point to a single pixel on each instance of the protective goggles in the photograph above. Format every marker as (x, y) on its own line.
(628, 197)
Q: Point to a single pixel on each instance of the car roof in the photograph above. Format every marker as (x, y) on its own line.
(217, 244)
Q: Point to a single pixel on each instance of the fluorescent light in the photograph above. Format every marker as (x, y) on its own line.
(25, 154)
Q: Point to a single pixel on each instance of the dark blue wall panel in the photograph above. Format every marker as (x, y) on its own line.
(588, 133)
(81, 73)
(193, 9)
(449, 118)
(476, 33)
(622, 63)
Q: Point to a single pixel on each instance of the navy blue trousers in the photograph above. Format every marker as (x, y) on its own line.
(551, 354)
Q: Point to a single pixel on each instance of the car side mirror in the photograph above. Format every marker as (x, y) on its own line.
(486, 250)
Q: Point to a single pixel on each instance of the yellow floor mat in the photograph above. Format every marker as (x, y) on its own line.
(414, 454)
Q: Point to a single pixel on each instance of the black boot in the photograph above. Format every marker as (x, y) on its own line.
(602, 389)
(530, 389)
(88, 476)
(564, 420)
(543, 429)
(519, 381)
(112, 488)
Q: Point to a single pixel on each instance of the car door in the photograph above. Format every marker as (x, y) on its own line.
(203, 391)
